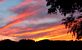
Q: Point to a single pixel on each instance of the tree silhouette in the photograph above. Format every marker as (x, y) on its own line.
(74, 25)
(65, 7)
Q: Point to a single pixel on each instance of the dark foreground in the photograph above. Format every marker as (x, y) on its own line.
(40, 44)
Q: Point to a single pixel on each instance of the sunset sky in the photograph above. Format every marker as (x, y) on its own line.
(28, 19)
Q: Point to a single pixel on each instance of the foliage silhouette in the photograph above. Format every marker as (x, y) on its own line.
(65, 7)
(74, 25)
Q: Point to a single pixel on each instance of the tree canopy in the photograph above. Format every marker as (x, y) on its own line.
(65, 7)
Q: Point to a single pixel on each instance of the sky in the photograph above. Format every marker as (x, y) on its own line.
(28, 19)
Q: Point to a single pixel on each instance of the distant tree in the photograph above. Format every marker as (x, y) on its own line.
(65, 7)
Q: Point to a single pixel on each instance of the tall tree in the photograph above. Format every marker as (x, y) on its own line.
(65, 7)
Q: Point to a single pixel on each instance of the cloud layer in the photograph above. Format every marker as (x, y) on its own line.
(29, 20)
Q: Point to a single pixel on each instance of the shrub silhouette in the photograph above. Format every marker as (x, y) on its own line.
(7, 44)
(26, 44)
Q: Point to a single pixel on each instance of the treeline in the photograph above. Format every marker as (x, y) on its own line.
(26, 44)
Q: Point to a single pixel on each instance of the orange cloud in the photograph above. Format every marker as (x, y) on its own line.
(58, 32)
(48, 30)
(7, 37)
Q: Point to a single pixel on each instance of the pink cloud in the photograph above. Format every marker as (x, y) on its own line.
(2, 0)
(24, 3)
